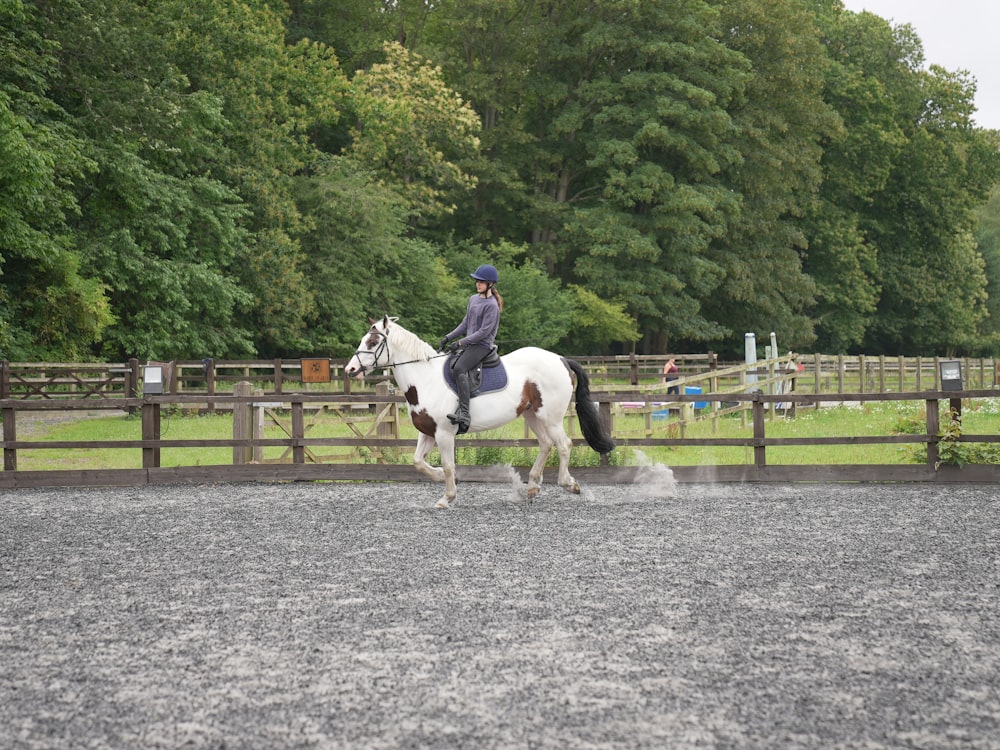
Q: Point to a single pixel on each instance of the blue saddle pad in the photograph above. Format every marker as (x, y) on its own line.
(493, 378)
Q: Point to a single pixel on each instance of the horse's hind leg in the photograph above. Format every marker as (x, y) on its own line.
(545, 443)
(565, 447)
(544, 446)
(551, 434)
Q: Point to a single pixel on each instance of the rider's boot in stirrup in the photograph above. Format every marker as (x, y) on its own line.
(461, 415)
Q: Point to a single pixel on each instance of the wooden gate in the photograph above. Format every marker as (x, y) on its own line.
(366, 421)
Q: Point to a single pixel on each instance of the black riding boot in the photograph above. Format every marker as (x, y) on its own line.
(461, 415)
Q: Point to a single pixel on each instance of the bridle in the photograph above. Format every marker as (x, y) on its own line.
(383, 347)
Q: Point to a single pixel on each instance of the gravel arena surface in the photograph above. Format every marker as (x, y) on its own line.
(318, 615)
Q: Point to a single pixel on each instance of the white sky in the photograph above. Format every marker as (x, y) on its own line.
(957, 35)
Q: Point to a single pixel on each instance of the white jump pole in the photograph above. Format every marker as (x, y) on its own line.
(750, 356)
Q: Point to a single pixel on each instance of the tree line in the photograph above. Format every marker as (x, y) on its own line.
(231, 178)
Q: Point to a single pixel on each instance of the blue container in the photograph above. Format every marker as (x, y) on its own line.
(691, 389)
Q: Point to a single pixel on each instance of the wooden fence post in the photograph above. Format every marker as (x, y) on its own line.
(132, 381)
(209, 365)
(278, 375)
(713, 387)
(298, 433)
(258, 427)
(9, 436)
(4, 379)
(759, 455)
(387, 428)
(150, 431)
(933, 427)
(242, 424)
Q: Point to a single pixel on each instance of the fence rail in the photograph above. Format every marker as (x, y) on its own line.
(301, 448)
(815, 373)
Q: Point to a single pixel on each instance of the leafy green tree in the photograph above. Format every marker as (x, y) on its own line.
(361, 261)
(49, 308)
(987, 236)
(896, 268)
(932, 275)
(595, 323)
(154, 227)
(636, 150)
(278, 97)
(489, 51)
(413, 131)
(782, 123)
(607, 133)
(929, 271)
(857, 163)
(359, 29)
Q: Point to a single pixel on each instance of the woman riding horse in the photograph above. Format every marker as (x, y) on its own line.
(476, 334)
(540, 387)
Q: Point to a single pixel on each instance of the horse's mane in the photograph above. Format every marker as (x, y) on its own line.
(409, 345)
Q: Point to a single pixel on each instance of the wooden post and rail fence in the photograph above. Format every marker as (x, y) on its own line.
(818, 373)
(301, 458)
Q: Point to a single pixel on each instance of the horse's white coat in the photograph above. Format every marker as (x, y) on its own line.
(540, 387)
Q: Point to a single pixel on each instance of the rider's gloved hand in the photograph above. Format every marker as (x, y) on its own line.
(455, 346)
(443, 344)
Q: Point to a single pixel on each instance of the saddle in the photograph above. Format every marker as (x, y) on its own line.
(489, 375)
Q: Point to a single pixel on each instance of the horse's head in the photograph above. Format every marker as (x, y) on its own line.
(373, 351)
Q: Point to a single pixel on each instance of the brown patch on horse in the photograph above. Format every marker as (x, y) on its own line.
(423, 422)
(411, 396)
(531, 398)
(373, 340)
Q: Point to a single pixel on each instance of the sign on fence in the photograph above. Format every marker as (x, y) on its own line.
(316, 370)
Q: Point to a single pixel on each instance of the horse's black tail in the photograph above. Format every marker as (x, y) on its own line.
(586, 411)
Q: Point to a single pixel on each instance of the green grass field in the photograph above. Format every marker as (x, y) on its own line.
(888, 418)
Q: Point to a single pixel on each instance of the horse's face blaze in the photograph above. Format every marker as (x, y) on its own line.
(531, 398)
(411, 396)
(423, 422)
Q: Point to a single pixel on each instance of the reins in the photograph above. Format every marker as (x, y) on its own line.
(412, 361)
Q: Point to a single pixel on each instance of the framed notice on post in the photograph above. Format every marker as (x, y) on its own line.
(315, 370)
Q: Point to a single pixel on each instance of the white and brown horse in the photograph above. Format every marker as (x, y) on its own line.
(539, 387)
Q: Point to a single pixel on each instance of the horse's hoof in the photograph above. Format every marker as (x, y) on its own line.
(441, 504)
(533, 492)
(575, 489)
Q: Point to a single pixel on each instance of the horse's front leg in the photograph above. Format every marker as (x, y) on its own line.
(446, 447)
(425, 443)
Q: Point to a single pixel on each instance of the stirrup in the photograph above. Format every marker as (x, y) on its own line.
(461, 419)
